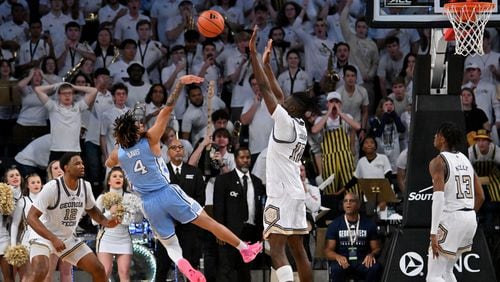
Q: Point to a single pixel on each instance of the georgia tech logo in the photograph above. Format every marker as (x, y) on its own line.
(411, 264)
(420, 195)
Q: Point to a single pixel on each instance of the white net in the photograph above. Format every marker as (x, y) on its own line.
(469, 20)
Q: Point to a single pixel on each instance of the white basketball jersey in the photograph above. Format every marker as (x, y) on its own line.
(62, 207)
(459, 182)
(284, 156)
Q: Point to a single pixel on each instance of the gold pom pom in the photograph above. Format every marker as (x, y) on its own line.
(7, 204)
(120, 211)
(110, 199)
(17, 255)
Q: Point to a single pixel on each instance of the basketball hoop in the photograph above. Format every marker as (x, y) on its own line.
(469, 20)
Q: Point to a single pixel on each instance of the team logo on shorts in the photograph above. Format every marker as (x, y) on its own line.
(271, 215)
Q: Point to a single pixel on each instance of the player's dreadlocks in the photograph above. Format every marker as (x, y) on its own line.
(126, 130)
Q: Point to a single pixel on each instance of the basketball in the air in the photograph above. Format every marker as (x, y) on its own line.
(210, 23)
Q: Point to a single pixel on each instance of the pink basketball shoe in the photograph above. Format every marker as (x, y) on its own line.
(251, 252)
(192, 274)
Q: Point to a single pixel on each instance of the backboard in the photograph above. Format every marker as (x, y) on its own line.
(415, 13)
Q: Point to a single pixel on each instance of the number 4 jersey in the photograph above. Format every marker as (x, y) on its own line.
(284, 153)
(459, 182)
(145, 171)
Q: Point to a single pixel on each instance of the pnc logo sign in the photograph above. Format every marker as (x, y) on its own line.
(411, 264)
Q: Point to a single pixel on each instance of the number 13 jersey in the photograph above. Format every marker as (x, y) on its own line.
(459, 182)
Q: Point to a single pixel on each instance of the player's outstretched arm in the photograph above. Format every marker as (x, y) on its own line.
(260, 76)
(156, 131)
(275, 87)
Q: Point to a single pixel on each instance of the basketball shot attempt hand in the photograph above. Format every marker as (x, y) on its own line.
(138, 153)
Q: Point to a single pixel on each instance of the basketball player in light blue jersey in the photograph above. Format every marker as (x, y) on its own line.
(138, 153)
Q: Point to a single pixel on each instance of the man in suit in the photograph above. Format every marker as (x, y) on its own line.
(190, 179)
(238, 202)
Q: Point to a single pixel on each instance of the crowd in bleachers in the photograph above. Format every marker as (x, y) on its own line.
(129, 55)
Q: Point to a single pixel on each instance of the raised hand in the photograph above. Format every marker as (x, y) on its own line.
(253, 40)
(266, 57)
(189, 79)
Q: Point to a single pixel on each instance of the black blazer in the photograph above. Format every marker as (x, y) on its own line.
(229, 201)
(191, 181)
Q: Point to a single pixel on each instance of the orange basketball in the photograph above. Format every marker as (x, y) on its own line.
(210, 23)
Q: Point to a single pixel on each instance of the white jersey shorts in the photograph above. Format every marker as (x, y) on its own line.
(284, 215)
(456, 232)
(75, 249)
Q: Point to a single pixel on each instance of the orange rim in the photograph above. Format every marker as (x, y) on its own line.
(468, 9)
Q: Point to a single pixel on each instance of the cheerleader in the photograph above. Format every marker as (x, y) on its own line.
(13, 178)
(33, 186)
(116, 241)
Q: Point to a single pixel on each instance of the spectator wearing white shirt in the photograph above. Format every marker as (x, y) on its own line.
(104, 49)
(170, 75)
(32, 120)
(487, 63)
(74, 51)
(390, 65)
(137, 87)
(107, 141)
(93, 155)
(316, 47)
(354, 98)
(33, 51)
(261, 19)
(238, 70)
(65, 115)
(193, 49)
(125, 27)
(485, 94)
(112, 12)
(6, 9)
(342, 53)
(286, 18)
(16, 29)
(150, 52)
(118, 69)
(184, 20)
(280, 48)
(54, 23)
(161, 12)
(155, 101)
(294, 79)
(35, 156)
(195, 121)
(209, 69)
(260, 124)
